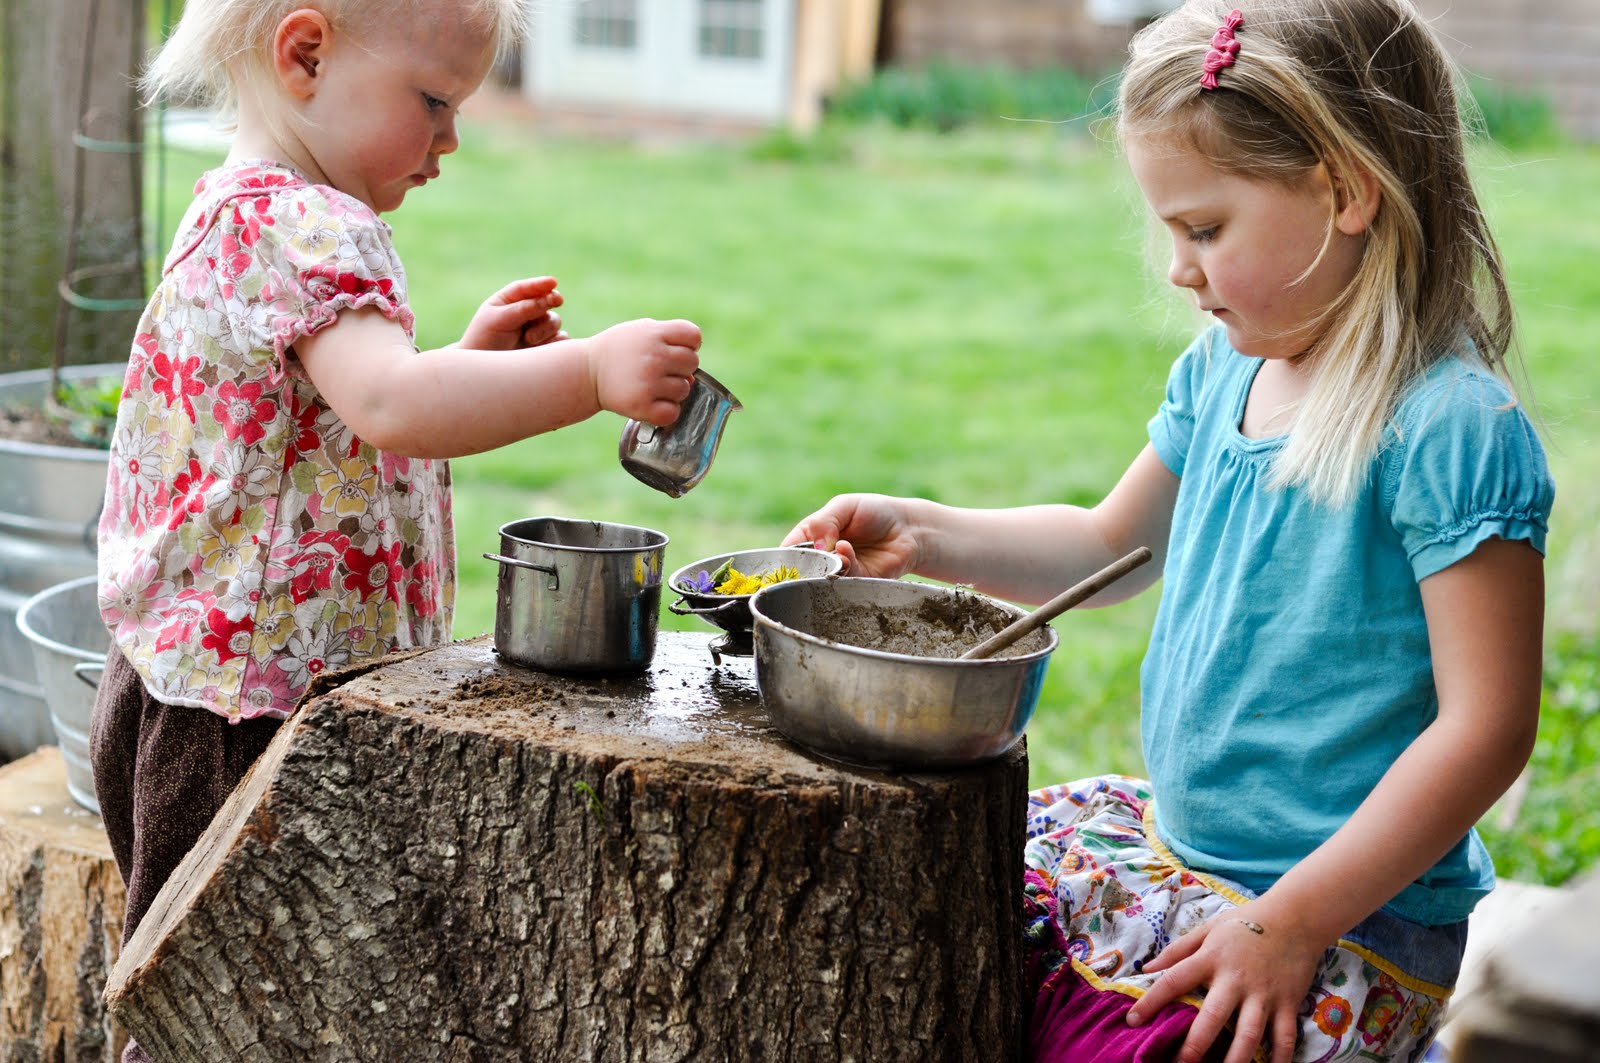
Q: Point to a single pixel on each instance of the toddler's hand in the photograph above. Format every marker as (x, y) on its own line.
(519, 315)
(868, 531)
(644, 369)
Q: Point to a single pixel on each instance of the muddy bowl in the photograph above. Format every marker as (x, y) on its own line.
(731, 612)
(867, 671)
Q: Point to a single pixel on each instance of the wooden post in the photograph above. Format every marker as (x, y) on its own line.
(61, 903)
(42, 64)
(452, 858)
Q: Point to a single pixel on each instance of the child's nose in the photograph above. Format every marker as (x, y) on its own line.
(445, 140)
(1185, 272)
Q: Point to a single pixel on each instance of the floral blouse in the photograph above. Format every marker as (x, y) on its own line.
(249, 539)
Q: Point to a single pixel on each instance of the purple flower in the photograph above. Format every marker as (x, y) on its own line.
(700, 583)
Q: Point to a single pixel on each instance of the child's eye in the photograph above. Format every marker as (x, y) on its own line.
(1202, 236)
(434, 103)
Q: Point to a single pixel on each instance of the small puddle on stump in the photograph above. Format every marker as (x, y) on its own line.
(682, 697)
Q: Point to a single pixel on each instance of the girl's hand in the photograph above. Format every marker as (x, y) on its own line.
(1262, 977)
(518, 315)
(870, 532)
(644, 369)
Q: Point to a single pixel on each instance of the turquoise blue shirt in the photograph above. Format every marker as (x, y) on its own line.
(1289, 666)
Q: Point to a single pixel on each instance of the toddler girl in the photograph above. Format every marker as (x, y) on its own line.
(1349, 510)
(278, 503)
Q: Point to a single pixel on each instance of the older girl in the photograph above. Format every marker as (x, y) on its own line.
(1350, 510)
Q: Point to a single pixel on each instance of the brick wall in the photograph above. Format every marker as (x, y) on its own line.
(1548, 46)
(1028, 33)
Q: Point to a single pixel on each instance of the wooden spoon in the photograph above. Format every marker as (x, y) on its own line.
(1057, 605)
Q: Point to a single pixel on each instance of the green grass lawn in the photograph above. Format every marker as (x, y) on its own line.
(967, 317)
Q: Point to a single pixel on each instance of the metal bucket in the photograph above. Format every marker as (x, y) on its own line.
(69, 642)
(578, 595)
(50, 500)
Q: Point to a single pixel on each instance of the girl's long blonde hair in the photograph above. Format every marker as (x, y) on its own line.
(220, 47)
(1355, 85)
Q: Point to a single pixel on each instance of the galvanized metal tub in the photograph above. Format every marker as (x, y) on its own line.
(69, 643)
(50, 500)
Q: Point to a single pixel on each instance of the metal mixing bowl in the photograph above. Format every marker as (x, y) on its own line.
(875, 707)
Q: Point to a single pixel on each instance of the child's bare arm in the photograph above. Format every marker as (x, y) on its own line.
(1026, 554)
(455, 401)
(1485, 630)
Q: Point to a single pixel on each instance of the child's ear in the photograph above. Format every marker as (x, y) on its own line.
(298, 49)
(1358, 199)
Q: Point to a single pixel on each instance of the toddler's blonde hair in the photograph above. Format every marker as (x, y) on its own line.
(1353, 85)
(221, 47)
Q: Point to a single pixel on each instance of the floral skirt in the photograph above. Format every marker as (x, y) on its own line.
(1103, 896)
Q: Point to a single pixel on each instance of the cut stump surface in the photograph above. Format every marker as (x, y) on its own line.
(448, 857)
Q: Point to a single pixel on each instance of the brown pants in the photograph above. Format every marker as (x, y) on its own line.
(161, 773)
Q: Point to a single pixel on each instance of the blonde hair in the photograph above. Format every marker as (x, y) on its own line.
(1353, 85)
(220, 47)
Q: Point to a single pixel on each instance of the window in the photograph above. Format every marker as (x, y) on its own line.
(607, 24)
(731, 29)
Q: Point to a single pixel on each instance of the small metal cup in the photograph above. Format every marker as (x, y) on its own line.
(675, 458)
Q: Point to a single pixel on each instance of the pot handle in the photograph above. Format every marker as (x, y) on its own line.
(692, 611)
(83, 668)
(555, 582)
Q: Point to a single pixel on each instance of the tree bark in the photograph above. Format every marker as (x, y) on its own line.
(43, 55)
(60, 919)
(451, 858)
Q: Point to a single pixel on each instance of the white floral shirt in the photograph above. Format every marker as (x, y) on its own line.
(249, 539)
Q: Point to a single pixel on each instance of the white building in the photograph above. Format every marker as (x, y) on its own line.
(761, 62)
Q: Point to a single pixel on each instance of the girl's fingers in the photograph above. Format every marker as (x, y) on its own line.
(1172, 984)
(1179, 949)
(541, 330)
(527, 288)
(1285, 1033)
(1219, 1004)
(1247, 1032)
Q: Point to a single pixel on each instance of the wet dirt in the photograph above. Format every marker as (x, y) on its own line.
(685, 712)
(944, 626)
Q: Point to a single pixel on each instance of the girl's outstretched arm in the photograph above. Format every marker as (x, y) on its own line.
(455, 400)
(1028, 554)
(1485, 629)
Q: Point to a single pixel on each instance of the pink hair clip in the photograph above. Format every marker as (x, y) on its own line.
(1224, 49)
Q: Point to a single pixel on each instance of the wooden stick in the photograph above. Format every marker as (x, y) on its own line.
(1057, 605)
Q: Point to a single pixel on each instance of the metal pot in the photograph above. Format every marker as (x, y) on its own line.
(578, 595)
(870, 706)
(675, 458)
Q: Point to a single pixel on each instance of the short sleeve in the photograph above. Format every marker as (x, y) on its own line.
(1172, 428)
(326, 252)
(1466, 467)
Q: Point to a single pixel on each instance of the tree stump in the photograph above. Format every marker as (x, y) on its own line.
(448, 857)
(60, 918)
